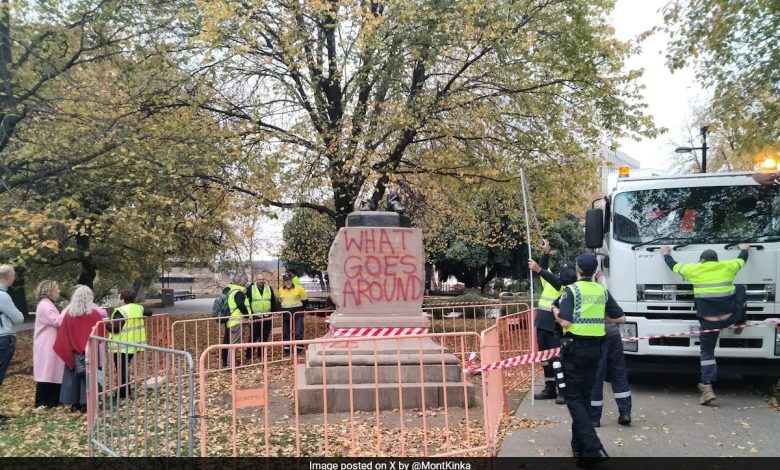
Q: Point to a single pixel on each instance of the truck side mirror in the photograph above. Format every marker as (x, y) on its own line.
(594, 228)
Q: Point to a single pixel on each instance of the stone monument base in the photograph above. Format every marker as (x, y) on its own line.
(393, 374)
(388, 320)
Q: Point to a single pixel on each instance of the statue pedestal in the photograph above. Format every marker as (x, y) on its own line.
(387, 320)
(384, 372)
(376, 273)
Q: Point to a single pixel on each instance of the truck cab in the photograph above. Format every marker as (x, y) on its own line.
(690, 213)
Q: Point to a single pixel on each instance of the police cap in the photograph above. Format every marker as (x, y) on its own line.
(588, 263)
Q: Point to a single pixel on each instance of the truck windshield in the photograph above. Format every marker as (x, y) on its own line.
(702, 215)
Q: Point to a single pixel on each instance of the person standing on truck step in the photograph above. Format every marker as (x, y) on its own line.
(239, 307)
(261, 303)
(547, 332)
(715, 298)
(292, 298)
(585, 307)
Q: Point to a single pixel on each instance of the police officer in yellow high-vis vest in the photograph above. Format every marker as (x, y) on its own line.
(547, 332)
(129, 327)
(585, 306)
(261, 302)
(715, 297)
(238, 303)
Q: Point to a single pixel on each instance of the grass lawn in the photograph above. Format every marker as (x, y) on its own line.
(30, 431)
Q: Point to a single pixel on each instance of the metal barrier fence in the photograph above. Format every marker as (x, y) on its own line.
(494, 394)
(399, 396)
(195, 335)
(145, 412)
(516, 337)
(470, 317)
(140, 397)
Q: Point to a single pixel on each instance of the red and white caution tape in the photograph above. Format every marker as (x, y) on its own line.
(376, 332)
(518, 360)
(549, 353)
(698, 332)
(488, 302)
(470, 362)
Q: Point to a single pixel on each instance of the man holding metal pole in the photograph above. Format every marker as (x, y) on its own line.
(547, 332)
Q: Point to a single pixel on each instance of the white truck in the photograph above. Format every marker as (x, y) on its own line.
(691, 213)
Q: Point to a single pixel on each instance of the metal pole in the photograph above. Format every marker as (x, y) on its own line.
(530, 277)
(704, 148)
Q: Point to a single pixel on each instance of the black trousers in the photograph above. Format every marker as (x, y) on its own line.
(47, 394)
(122, 363)
(580, 364)
(546, 339)
(261, 330)
(7, 350)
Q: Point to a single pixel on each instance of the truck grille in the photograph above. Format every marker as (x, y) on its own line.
(684, 292)
(675, 301)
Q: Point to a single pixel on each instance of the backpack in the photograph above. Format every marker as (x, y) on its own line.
(221, 309)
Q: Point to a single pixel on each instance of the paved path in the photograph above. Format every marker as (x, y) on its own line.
(667, 421)
(181, 306)
(187, 306)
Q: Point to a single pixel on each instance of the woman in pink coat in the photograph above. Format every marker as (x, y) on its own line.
(47, 365)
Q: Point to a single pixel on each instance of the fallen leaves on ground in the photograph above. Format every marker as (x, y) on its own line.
(30, 431)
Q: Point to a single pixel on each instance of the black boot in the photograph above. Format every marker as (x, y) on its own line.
(548, 393)
(590, 461)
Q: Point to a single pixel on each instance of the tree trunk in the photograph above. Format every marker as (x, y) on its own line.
(489, 277)
(323, 287)
(140, 286)
(18, 293)
(88, 268)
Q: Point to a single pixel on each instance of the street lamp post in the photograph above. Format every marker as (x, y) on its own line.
(703, 148)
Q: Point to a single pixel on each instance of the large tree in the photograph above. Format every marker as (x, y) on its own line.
(135, 203)
(734, 47)
(338, 99)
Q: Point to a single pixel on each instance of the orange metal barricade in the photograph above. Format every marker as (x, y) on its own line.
(260, 403)
(195, 335)
(515, 339)
(417, 408)
(494, 394)
(468, 316)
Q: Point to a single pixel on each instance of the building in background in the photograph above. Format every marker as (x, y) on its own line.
(611, 161)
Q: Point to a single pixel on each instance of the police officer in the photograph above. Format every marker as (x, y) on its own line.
(547, 332)
(612, 368)
(715, 298)
(585, 306)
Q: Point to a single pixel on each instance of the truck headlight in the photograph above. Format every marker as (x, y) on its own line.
(628, 330)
